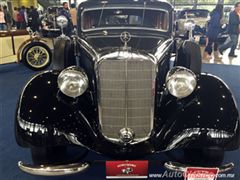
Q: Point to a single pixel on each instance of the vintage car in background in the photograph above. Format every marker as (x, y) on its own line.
(114, 90)
(49, 24)
(24, 46)
(192, 19)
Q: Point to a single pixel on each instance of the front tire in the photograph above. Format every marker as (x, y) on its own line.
(49, 155)
(36, 56)
(58, 155)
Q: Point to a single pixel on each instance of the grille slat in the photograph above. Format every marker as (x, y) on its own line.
(126, 96)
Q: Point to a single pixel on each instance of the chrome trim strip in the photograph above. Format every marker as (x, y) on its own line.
(125, 27)
(87, 47)
(49, 170)
(128, 27)
(117, 36)
(176, 166)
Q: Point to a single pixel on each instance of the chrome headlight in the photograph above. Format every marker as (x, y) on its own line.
(181, 81)
(62, 21)
(189, 25)
(73, 81)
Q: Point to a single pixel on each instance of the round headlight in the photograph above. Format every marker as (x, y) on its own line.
(189, 25)
(62, 21)
(181, 82)
(73, 81)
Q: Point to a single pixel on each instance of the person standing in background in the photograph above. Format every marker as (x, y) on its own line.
(8, 18)
(33, 14)
(19, 19)
(73, 12)
(239, 30)
(233, 30)
(213, 31)
(24, 17)
(2, 20)
(15, 19)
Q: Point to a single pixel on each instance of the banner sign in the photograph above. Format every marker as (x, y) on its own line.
(126, 169)
(195, 173)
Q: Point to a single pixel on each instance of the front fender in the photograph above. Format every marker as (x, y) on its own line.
(45, 117)
(208, 118)
(24, 44)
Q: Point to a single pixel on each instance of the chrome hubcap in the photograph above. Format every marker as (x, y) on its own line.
(37, 56)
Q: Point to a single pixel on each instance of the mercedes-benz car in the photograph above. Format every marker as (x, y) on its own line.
(124, 87)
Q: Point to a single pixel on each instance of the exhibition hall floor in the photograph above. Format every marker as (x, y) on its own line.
(12, 79)
(225, 58)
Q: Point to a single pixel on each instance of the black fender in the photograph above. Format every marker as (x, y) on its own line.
(208, 118)
(46, 117)
(63, 55)
(189, 56)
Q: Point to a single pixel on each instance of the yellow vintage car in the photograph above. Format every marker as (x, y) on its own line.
(25, 46)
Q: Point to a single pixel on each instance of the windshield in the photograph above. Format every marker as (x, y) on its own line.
(115, 18)
(54, 10)
(194, 14)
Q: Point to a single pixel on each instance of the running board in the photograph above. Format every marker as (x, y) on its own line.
(51, 170)
(175, 166)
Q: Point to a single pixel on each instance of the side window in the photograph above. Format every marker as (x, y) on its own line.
(157, 20)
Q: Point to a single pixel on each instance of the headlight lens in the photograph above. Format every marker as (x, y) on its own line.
(181, 82)
(189, 25)
(73, 81)
(62, 21)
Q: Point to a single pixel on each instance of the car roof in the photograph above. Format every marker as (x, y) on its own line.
(192, 10)
(138, 3)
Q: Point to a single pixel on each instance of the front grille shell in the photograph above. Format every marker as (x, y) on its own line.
(126, 93)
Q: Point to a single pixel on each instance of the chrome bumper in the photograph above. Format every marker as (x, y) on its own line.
(48, 170)
(175, 166)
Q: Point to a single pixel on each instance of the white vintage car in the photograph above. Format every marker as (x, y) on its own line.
(25, 46)
(195, 19)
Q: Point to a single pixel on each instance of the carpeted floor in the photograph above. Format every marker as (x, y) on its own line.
(12, 79)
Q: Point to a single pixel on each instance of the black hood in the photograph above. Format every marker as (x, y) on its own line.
(147, 44)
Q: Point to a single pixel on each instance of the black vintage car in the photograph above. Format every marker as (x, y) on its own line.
(114, 90)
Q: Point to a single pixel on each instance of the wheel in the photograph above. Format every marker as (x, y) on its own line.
(204, 157)
(189, 56)
(36, 56)
(63, 55)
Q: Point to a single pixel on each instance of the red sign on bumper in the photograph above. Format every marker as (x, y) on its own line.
(195, 173)
(126, 169)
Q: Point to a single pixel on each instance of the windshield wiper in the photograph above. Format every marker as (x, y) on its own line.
(143, 15)
(100, 18)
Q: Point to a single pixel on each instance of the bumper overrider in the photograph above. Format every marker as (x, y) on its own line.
(179, 167)
(50, 170)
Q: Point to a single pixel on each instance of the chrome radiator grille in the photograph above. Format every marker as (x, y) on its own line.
(126, 96)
